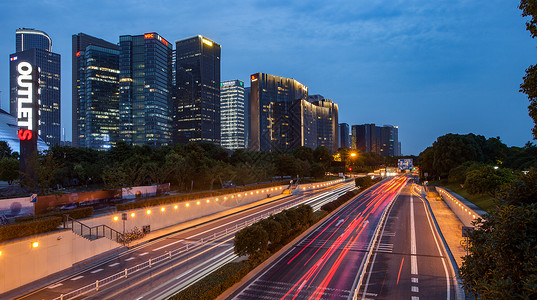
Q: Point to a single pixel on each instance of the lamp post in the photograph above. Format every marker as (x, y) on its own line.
(124, 218)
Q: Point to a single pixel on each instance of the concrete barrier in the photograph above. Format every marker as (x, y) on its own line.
(466, 211)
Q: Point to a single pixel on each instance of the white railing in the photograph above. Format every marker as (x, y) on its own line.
(94, 287)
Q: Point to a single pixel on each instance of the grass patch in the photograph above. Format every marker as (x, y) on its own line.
(482, 201)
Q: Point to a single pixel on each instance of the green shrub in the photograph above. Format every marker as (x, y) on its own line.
(18, 230)
(186, 197)
(214, 284)
(253, 241)
(77, 213)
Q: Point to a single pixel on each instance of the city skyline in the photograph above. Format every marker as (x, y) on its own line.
(403, 65)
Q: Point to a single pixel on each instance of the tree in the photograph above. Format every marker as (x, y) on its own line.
(529, 84)
(486, 180)
(252, 241)
(322, 155)
(502, 260)
(5, 150)
(45, 167)
(9, 169)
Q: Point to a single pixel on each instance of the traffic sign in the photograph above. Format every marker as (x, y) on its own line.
(405, 164)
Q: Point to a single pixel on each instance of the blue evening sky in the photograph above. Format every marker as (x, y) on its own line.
(430, 67)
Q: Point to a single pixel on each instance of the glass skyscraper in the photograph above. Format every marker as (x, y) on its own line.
(95, 92)
(232, 114)
(382, 140)
(145, 108)
(36, 48)
(344, 135)
(274, 105)
(318, 123)
(27, 38)
(197, 101)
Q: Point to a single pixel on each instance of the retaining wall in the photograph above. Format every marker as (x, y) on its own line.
(21, 263)
(460, 207)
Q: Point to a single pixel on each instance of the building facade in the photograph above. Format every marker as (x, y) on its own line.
(29, 38)
(232, 117)
(145, 102)
(275, 104)
(247, 117)
(344, 135)
(49, 65)
(197, 91)
(371, 138)
(326, 116)
(95, 88)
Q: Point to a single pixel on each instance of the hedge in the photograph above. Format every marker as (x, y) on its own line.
(18, 230)
(214, 284)
(77, 213)
(192, 196)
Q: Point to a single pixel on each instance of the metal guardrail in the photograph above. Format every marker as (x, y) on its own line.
(92, 233)
(94, 287)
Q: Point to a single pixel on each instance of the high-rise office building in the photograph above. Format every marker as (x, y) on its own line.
(275, 103)
(370, 138)
(389, 140)
(36, 48)
(197, 103)
(247, 117)
(95, 92)
(232, 114)
(145, 108)
(28, 38)
(344, 135)
(326, 115)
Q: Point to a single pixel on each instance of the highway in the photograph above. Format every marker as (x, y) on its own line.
(160, 268)
(409, 261)
(326, 263)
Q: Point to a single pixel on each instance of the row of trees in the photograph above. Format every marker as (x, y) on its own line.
(198, 166)
(259, 240)
(452, 150)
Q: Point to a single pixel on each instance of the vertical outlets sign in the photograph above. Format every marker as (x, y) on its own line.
(25, 101)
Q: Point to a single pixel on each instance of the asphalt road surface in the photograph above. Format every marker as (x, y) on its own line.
(409, 261)
(325, 264)
(161, 268)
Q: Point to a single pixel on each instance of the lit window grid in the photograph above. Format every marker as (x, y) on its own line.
(232, 117)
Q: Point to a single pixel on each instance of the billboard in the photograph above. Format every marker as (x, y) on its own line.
(27, 115)
(405, 164)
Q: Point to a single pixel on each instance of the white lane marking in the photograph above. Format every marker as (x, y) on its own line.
(388, 215)
(145, 253)
(448, 290)
(339, 222)
(157, 249)
(415, 298)
(96, 271)
(413, 258)
(414, 289)
(114, 264)
(54, 285)
(130, 258)
(185, 273)
(77, 278)
(414, 280)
